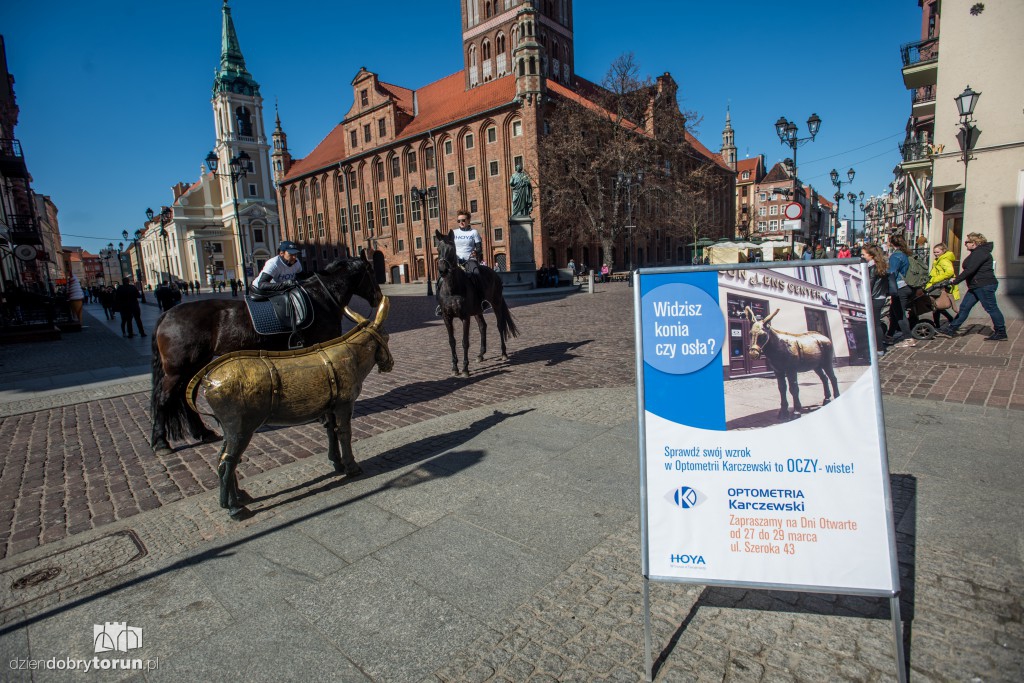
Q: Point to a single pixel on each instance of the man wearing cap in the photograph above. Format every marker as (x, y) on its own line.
(279, 272)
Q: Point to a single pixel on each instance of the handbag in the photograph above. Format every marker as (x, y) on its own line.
(943, 300)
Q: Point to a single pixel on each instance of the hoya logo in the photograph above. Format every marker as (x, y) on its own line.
(687, 559)
(686, 498)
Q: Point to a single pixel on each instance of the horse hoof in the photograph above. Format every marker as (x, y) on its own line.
(826, 401)
(239, 513)
(480, 358)
(354, 471)
(464, 373)
(162, 451)
(244, 498)
(504, 356)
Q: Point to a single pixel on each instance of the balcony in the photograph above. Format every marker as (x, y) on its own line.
(920, 63)
(12, 161)
(922, 102)
(916, 155)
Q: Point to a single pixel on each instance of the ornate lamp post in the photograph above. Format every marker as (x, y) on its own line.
(629, 181)
(239, 169)
(967, 135)
(164, 217)
(852, 198)
(838, 183)
(422, 196)
(787, 130)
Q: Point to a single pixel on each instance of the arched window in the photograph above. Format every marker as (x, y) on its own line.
(472, 57)
(306, 193)
(515, 36)
(244, 119)
(316, 188)
(499, 44)
(487, 10)
(486, 49)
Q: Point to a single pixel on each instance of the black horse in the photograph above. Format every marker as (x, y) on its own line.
(190, 335)
(462, 296)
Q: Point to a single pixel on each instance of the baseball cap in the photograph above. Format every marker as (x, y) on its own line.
(289, 247)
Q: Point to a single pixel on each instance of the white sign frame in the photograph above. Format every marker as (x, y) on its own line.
(877, 586)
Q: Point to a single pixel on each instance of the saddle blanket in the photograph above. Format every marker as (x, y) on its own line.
(272, 316)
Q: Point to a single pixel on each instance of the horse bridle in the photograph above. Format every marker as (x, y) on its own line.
(758, 348)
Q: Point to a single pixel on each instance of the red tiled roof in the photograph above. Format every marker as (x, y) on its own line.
(447, 100)
(403, 96)
(440, 103)
(750, 164)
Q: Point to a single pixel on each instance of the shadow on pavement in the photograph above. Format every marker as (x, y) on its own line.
(445, 464)
(904, 501)
(419, 392)
(552, 354)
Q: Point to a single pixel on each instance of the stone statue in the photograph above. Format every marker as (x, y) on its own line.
(522, 193)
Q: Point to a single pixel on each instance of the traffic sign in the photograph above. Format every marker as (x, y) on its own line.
(793, 211)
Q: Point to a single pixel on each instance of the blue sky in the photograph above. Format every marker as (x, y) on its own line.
(115, 94)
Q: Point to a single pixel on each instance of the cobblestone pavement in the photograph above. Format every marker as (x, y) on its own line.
(86, 461)
(186, 572)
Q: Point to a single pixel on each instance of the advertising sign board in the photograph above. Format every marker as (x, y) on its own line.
(762, 447)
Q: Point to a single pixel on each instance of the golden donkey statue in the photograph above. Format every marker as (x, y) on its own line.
(791, 353)
(249, 389)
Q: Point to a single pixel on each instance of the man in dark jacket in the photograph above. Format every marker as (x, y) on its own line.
(978, 269)
(127, 299)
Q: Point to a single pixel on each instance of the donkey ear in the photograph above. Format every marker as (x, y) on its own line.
(748, 313)
(769, 318)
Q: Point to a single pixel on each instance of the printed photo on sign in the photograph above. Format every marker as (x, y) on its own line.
(797, 341)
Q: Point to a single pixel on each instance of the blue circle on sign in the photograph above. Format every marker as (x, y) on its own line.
(683, 328)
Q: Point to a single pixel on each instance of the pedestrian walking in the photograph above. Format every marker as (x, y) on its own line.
(902, 293)
(127, 298)
(941, 270)
(878, 276)
(978, 270)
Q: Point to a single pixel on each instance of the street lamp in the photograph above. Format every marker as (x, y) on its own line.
(239, 169)
(838, 183)
(853, 209)
(629, 181)
(967, 135)
(422, 196)
(164, 217)
(787, 130)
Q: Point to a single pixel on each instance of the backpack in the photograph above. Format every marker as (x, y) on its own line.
(917, 273)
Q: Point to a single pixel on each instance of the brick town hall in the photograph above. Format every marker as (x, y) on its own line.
(402, 162)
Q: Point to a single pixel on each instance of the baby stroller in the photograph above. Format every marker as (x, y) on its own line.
(926, 302)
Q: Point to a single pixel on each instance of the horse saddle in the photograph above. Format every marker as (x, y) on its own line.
(280, 313)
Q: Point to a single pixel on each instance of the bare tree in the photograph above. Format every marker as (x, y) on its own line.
(597, 148)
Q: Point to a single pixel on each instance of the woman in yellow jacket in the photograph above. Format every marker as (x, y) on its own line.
(942, 269)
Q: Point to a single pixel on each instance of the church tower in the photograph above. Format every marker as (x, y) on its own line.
(528, 57)
(491, 32)
(729, 142)
(238, 120)
(280, 158)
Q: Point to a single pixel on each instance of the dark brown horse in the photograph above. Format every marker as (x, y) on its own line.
(190, 335)
(462, 296)
(790, 354)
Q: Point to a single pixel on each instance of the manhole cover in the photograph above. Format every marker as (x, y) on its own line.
(59, 571)
(35, 578)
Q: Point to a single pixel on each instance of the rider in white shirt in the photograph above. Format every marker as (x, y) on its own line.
(468, 246)
(279, 272)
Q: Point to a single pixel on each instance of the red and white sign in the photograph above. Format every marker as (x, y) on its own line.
(793, 211)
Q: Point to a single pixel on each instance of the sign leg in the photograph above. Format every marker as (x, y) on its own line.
(897, 634)
(647, 630)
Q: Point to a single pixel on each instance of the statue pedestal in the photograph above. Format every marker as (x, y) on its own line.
(522, 270)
